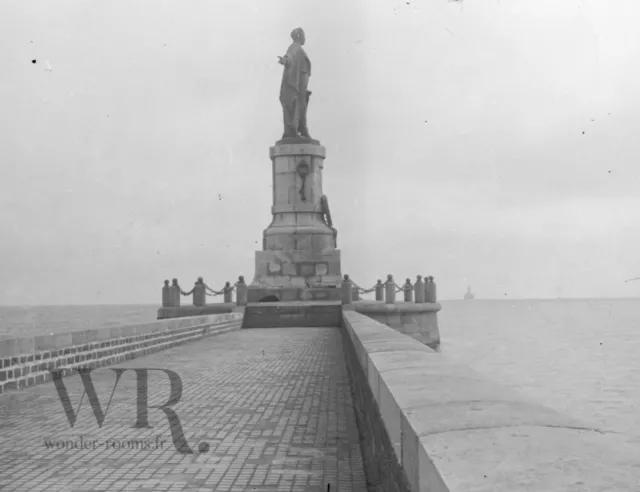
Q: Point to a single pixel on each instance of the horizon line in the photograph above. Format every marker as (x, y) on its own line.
(439, 300)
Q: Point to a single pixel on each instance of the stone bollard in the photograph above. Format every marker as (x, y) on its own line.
(199, 293)
(356, 293)
(379, 291)
(408, 291)
(390, 290)
(347, 290)
(418, 287)
(175, 293)
(430, 290)
(241, 292)
(166, 294)
(228, 292)
(434, 291)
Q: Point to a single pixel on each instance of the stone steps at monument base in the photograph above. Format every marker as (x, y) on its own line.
(292, 314)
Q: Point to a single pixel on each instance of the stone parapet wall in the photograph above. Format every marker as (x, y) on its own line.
(419, 321)
(292, 314)
(208, 309)
(430, 424)
(382, 465)
(27, 361)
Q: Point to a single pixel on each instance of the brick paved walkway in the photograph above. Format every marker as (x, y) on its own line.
(274, 406)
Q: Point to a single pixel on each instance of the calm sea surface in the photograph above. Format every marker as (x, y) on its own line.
(581, 357)
(17, 322)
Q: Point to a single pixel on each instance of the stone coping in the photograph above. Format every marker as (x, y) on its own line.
(40, 343)
(397, 307)
(169, 312)
(296, 304)
(453, 430)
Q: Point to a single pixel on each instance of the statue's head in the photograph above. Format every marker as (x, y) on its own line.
(298, 35)
(200, 280)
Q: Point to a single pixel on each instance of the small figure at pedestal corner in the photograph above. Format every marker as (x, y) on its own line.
(326, 218)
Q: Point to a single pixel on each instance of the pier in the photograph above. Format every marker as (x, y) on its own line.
(355, 407)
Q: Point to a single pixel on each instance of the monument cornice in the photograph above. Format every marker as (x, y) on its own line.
(310, 149)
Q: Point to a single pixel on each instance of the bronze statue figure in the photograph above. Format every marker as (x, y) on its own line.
(294, 95)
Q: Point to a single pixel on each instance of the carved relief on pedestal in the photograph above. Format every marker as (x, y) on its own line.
(303, 172)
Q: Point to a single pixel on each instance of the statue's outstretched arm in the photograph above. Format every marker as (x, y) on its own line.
(284, 60)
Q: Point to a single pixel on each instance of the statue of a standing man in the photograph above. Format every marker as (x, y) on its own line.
(294, 95)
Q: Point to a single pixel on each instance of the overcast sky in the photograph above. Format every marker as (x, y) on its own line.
(493, 143)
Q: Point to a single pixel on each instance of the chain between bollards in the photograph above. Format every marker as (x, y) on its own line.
(419, 292)
(171, 293)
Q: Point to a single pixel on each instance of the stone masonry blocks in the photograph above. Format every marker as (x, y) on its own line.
(47, 352)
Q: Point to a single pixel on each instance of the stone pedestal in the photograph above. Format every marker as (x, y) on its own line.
(299, 260)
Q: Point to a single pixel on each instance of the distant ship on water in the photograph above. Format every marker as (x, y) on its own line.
(469, 295)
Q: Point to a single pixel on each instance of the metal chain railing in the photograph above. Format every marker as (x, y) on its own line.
(424, 291)
(364, 291)
(171, 293)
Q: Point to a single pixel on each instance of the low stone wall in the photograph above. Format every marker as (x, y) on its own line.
(27, 361)
(431, 424)
(288, 314)
(187, 311)
(382, 465)
(419, 321)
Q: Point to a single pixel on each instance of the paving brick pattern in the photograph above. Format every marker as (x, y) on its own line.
(273, 405)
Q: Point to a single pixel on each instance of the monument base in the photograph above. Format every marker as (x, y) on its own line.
(292, 314)
(290, 294)
(296, 275)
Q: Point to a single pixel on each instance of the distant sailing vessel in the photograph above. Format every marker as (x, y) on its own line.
(469, 295)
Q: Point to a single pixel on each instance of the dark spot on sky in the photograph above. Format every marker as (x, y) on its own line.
(33, 61)
(583, 133)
